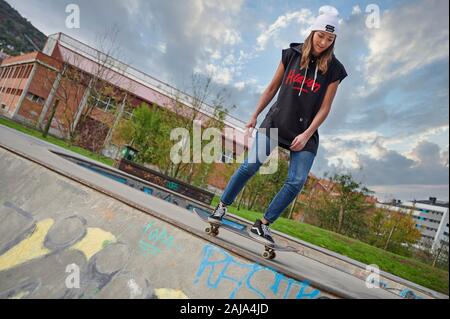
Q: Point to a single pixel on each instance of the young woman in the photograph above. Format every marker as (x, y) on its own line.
(308, 76)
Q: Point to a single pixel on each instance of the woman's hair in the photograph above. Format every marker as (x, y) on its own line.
(322, 60)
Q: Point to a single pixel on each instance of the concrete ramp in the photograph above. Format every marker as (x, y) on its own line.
(69, 232)
(54, 231)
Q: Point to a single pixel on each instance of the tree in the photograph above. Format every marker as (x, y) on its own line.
(432, 253)
(349, 193)
(183, 116)
(406, 233)
(147, 132)
(441, 253)
(393, 231)
(81, 87)
(52, 114)
(343, 207)
(152, 139)
(375, 225)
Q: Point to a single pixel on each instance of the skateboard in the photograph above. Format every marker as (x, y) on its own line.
(242, 230)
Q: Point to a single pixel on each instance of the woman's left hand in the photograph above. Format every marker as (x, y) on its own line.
(299, 142)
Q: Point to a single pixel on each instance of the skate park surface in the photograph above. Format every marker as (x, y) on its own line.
(68, 232)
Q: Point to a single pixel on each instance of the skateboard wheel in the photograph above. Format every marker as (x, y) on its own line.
(213, 231)
(269, 254)
(266, 255)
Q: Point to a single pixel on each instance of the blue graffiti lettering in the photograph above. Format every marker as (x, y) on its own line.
(217, 268)
(156, 240)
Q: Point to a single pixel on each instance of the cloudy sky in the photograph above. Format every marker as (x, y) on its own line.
(389, 123)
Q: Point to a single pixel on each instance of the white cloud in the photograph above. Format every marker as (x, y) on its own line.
(303, 17)
(409, 38)
(345, 158)
(241, 85)
(356, 10)
(132, 6)
(221, 75)
(229, 60)
(162, 47)
(377, 146)
(231, 37)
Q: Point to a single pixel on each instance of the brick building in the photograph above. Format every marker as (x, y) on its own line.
(31, 83)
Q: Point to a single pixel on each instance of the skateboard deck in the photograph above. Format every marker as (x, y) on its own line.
(242, 230)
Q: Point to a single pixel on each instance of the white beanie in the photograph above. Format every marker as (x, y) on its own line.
(327, 21)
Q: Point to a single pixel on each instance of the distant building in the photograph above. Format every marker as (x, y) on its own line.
(431, 217)
(3, 56)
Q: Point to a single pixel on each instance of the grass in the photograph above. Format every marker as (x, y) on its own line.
(407, 268)
(56, 141)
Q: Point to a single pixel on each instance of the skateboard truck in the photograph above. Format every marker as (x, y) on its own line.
(213, 230)
(269, 253)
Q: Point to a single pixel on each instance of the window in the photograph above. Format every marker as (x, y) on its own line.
(21, 72)
(127, 112)
(127, 115)
(16, 72)
(105, 103)
(29, 68)
(227, 156)
(35, 99)
(5, 73)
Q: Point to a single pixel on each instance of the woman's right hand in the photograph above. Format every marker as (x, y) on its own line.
(251, 124)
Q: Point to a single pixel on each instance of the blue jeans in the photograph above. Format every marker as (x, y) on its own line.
(299, 166)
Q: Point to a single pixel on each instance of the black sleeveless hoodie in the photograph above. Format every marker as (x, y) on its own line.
(300, 97)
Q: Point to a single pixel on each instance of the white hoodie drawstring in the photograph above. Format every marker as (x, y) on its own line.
(304, 78)
(315, 78)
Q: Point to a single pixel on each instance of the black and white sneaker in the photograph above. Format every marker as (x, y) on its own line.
(261, 233)
(218, 214)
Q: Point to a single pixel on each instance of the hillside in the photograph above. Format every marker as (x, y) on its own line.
(14, 30)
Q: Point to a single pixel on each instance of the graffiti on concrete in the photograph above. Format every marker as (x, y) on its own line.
(402, 292)
(156, 239)
(408, 294)
(168, 197)
(219, 269)
(35, 255)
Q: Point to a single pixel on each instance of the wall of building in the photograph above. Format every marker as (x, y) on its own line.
(12, 82)
(431, 220)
